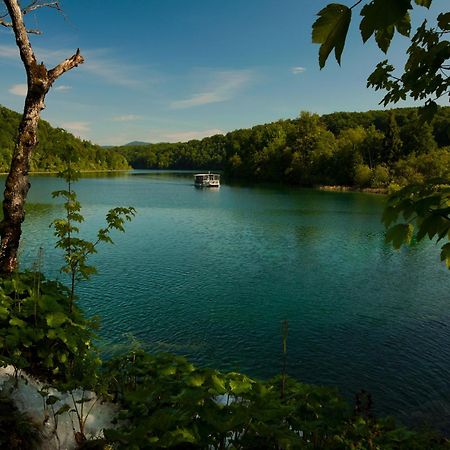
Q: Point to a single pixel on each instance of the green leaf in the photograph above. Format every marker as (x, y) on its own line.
(64, 408)
(56, 319)
(390, 215)
(383, 37)
(52, 399)
(218, 384)
(195, 380)
(428, 111)
(330, 30)
(444, 21)
(17, 322)
(378, 15)
(240, 385)
(400, 234)
(426, 3)
(4, 312)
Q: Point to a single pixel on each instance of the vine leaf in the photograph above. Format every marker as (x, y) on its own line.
(330, 30)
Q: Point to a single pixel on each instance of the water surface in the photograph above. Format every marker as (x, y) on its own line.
(211, 274)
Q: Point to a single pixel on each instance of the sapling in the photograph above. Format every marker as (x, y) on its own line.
(77, 250)
(76, 254)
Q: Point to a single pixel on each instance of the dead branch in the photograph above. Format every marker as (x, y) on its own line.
(33, 6)
(64, 66)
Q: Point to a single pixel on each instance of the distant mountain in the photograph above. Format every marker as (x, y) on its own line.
(135, 143)
(51, 153)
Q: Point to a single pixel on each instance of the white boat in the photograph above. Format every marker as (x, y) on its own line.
(209, 179)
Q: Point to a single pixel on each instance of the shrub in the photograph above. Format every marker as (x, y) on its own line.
(38, 331)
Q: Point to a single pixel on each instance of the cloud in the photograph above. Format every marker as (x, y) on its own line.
(224, 86)
(18, 89)
(9, 51)
(76, 127)
(62, 88)
(126, 118)
(183, 136)
(297, 70)
(103, 64)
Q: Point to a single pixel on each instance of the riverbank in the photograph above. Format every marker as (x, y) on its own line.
(55, 172)
(336, 188)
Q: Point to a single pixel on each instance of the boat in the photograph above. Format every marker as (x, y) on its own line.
(211, 180)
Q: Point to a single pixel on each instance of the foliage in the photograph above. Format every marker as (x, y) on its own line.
(424, 204)
(166, 402)
(425, 74)
(49, 155)
(16, 431)
(39, 331)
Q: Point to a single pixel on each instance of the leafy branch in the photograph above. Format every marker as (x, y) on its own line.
(425, 72)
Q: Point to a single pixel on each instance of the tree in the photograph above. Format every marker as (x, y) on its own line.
(392, 142)
(425, 77)
(39, 81)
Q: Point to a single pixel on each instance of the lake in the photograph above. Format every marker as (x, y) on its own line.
(211, 274)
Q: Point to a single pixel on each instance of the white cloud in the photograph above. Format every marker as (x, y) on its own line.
(9, 51)
(183, 136)
(76, 127)
(297, 70)
(224, 86)
(116, 71)
(62, 88)
(18, 89)
(126, 118)
(99, 62)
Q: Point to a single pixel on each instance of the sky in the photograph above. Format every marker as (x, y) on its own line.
(172, 70)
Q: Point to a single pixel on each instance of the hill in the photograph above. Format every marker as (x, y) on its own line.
(135, 143)
(52, 149)
(364, 149)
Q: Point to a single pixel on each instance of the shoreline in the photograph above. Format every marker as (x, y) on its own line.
(321, 187)
(53, 172)
(337, 188)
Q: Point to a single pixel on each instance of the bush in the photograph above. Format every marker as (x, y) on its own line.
(166, 402)
(363, 175)
(38, 332)
(380, 177)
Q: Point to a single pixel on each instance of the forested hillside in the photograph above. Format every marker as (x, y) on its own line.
(365, 149)
(53, 146)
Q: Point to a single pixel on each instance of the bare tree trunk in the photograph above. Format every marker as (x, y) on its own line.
(39, 81)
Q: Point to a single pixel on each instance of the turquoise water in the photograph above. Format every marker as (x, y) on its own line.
(211, 274)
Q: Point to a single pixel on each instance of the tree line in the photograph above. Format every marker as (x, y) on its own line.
(365, 149)
(51, 152)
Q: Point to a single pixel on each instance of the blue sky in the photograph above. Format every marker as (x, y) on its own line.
(172, 70)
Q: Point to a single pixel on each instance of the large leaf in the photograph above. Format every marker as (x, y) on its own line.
(426, 3)
(379, 15)
(444, 21)
(330, 30)
(400, 234)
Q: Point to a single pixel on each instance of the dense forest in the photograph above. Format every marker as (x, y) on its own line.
(365, 149)
(51, 152)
